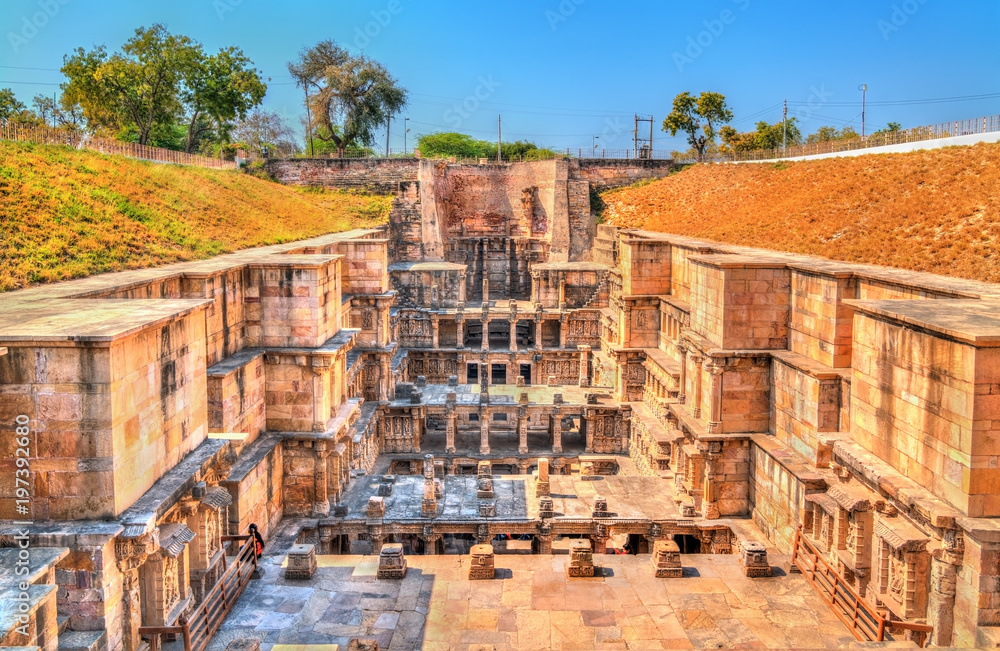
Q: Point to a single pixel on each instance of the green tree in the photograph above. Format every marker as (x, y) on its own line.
(14, 110)
(450, 144)
(827, 133)
(135, 90)
(219, 89)
(698, 118)
(352, 97)
(892, 127)
(260, 129)
(57, 113)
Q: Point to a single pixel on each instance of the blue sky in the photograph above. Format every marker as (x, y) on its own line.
(562, 71)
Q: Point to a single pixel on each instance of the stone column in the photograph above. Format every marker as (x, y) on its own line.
(562, 293)
(130, 554)
(945, 562)
(435, 297)
(681, 392)
(325, 540)
(715, 389)
(588, 423)
(450, 428)
(513, 334)
(557, 431)
(484, 431)
(538, 326)
(430, 544)
(563, 329)
(486, 286)
(386, 387)
(461, 287)
(696, 404)
(321, 501)
(584, 365)
(486, 328)
(321, 408)
(460, 328)
(710, 496)
(522, 429)
(544, 543)
(435, 330)
(536, 287)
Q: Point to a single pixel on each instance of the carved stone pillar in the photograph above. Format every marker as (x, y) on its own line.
(460, 329)
(682, 388)
(584, 365)
(711, 491)
(563, 329)
(321, 501)
(536, 286)
(538, 328)
(696, 404)
(486, 287)
(557, 431)
(562, 293)
(484, 431)
(588, 423)
(544, 543)
(435, 331)
(486, 330)
(461, 287)
(522, 430)
(450, 427)
(321, 402)
(386, 386)
(945, 562)
(130, 554)
(513, 334)
(430, 544)
(716, 372)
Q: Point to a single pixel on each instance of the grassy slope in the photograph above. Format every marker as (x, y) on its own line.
(936, 211)
(66, 213)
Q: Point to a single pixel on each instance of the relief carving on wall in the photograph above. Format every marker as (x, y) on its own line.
(897, 577)
(171, 591)
(367, 319)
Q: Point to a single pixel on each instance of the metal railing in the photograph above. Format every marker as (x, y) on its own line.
(974, 126)
(78, 140)
(197, 629)
(618, 154)
(865, 622)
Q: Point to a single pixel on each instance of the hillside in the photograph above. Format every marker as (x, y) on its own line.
(936, 211)
(66, 213)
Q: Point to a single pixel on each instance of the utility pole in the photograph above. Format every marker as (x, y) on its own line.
(309, 122)
(864, 96)
(388, 123)
(635, 137)
(406, 130)
(499, 140)
(650, 137)
(784, 128)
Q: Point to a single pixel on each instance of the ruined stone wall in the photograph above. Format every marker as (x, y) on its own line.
(605, 174)
(382, 176)
(406, 239)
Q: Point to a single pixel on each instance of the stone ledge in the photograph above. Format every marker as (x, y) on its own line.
(963, 320)
(810, 367)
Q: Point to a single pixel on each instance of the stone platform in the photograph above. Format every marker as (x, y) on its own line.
(532, 605)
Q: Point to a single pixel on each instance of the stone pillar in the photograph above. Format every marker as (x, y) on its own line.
(522, 429)
(484, 431)
(710, 503)
(681, 392)
(557, 431)
(945, 562)
(435, 297)
(450, 427)
(696, 404)
(460, 328)
(562, 293)
(715, 390)
(321, 405)
(461, 287)
(321, 501)
(544, 543)
(563, 329)
(584, 365)
(386, 385)
(430, 544)
(130, 557)
(588, 424)
(486, 286)
(486, 329)
(538, 327)
(435, 330)
(536, 287)
(513, 334)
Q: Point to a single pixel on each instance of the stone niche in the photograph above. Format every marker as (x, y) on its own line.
(903, 568)
(852, 532)
(206, 551)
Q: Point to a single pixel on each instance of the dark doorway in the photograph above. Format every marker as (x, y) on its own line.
(526, 373)
(688, 544)
(498, 374)
(472, 370)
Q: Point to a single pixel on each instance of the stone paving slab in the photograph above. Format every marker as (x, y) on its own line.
(534, 607)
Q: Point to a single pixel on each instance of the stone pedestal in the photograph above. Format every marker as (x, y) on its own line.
(484, 488)
(300, 562)
(545, 507)
(391, 562)
(481, 563)
(600, 507)
(487, 509)
(581, 559)
(385, 485)
(753, 559)
(376, 507)
(667, 560)
(542, 483)
(587, 472)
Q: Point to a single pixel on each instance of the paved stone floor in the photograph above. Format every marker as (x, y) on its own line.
(533, 605)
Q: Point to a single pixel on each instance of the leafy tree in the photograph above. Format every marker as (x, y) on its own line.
(827, 133)
(892, 127)
(447, 145)
(352, 96)
(766, 136)
(14, 110)
(698, 118)
(219, 89)
(136, 89)
(260, 129)
(52, 111)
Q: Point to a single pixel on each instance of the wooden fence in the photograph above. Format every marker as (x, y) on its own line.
(77, 140)
(863, 619)
(197, 629)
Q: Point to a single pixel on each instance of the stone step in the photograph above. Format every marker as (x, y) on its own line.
(63, 622)
(82, 640)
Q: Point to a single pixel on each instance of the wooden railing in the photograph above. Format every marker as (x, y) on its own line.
(196, 630)
(867, 623)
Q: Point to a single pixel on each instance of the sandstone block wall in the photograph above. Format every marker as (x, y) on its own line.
(806, 402)
(381, 176)
(236, 395)
(293, 301)
(643, 265)
(255, 483)
(820, 323)
(746, 394)
(365, 267)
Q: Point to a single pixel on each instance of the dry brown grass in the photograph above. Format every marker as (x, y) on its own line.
(936, 211)
(66, 213)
